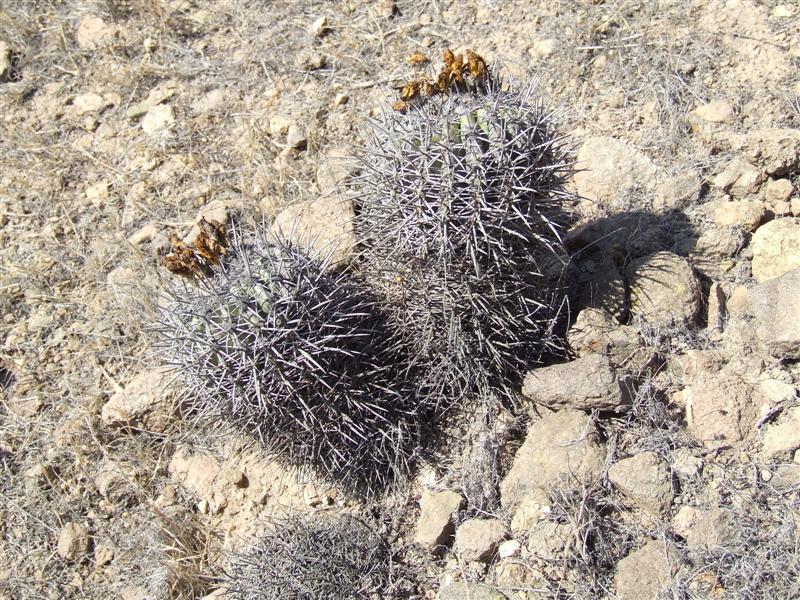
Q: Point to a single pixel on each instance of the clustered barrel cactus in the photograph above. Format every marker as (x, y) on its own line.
(461, 211)
(330, 557)
(457, 288)
(298, 354)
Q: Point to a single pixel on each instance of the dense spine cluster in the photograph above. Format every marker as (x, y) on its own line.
(461, 210)
(297, 353)
(331, 558)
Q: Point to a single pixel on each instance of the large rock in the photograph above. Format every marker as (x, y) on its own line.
(478, 539)
(549, 541)
(721, 406)
(73, 542)
(743, 213)
(146, 403)
(705, 529)
(597, 331)
(776, 150)
(645, 572)
(608, 167)
(783, 436)
(773, 309)
(664, 288)
(776, 249)
(740, 178)
(587, 383)
(644, 480)
(559, 446)
(435, 524)
(325, 224)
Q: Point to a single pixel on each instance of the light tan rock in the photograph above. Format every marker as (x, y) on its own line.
(478, 539)
(146, 403)
(597, 331)
(776, 248)
(746, 214)
(773, 310)
(89, 102)
(644, 480)
(740, 178)
(587, 383)
(677, 192)
(435, 524)
(73, 541)
(783, 436)
(94, 32)
(549, 541)
(715, 111)
(705, 529)
(608, 167)
(326, 224)
(645, 572)
(6, 65)
(197, 472)
(664, 288)
(158, 119)
(560, 445)
(721, 407)
(778, 190)
(103, 555)
(776, 150)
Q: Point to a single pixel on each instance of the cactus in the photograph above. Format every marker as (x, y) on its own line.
(461, 209)
(296, 353)
(335, 558)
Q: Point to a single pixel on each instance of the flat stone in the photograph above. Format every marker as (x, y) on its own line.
(644, 480)
(664, 287)
(587, 383)
(783, 436)
(597, 331)
(94, 32)
(608, 167)
(778, 190)
(146, 403)
(478, 539)
(776, 248)
(740, 178)
(705, 530)
(645, 572)
(677, 192)
(435, 524)
(549, 541)
(776, 150)
(558, 446)
(774, 308)
(721, 407)
(73, 542)
(157, 119)
(86, 103)
(746, 214)
(715, 111)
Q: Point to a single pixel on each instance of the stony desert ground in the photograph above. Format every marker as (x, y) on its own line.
(660, 460)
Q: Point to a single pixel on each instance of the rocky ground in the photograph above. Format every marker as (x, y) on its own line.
(662, 459)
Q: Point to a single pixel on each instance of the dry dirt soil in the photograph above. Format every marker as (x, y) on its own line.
(124, 121)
